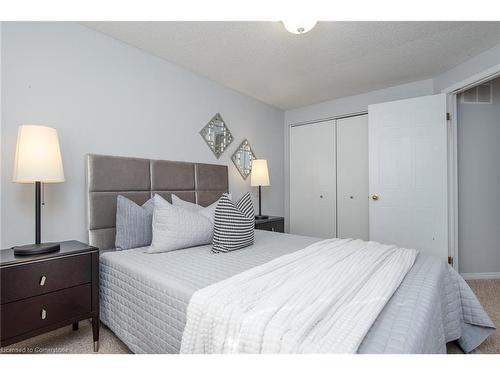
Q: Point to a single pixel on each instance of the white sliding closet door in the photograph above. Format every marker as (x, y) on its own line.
(352, 177)
(312, 180)
(408, 174)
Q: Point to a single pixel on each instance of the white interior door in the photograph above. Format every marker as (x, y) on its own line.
(408, 174)
(352, 177)
(312, 180)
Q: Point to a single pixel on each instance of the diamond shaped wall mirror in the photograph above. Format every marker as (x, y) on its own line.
(217, 135)
(242, 158)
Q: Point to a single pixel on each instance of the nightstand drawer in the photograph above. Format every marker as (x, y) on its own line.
(274, 226)
(33, 279)
(33, 313)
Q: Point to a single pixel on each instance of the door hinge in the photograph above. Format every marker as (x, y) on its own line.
(450, 261)
(448, 116)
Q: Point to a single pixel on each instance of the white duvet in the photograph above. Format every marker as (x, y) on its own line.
(321, 299)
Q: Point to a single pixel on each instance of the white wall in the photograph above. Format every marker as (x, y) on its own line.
(343, 106)
(358, 103)
(479, 185)
(106, 97)
(469, 68)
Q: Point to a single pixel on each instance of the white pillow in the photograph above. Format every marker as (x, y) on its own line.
(176, 227)
(208, 212)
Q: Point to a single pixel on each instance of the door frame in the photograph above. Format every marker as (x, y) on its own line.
(451, 100)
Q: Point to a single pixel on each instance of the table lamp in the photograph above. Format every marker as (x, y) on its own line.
(38, 160)
(259, 177)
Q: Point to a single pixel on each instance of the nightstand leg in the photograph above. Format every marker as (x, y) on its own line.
(95, 333)
(75, 326)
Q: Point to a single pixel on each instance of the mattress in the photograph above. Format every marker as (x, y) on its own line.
(144, 297)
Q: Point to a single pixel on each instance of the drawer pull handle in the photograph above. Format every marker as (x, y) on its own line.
(42, 280)
(44, 314)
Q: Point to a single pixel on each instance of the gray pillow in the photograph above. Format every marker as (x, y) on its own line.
(208, 212)
(176, 227)
(133, 223)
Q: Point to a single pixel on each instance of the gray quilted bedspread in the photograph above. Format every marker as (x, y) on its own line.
(144, 298)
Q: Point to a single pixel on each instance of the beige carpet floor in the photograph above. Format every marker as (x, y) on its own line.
(488, 292)
(65, 340)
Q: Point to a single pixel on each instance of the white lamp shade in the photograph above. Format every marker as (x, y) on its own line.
(260, 174)
(38, 157)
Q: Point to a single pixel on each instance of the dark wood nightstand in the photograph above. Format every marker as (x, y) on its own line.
(272, 223)
(40, 293)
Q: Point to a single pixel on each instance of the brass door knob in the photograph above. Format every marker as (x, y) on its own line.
(375, 197)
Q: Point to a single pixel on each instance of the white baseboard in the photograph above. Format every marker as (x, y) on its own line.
(481, 276)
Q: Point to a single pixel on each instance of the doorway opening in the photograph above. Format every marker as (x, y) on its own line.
(478, 179)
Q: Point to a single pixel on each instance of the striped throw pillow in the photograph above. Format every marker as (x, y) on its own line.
(234, 224)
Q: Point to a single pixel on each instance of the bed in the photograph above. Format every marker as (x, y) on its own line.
(144, 297)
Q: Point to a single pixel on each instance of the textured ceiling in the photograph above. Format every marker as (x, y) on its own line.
(335, 59)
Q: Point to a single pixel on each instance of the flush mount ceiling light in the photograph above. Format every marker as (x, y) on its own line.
(299, 27)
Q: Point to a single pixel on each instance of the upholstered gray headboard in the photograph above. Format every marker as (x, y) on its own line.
(138, 180)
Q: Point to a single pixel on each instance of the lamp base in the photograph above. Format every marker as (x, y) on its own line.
(36, 248)
(261, 217)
